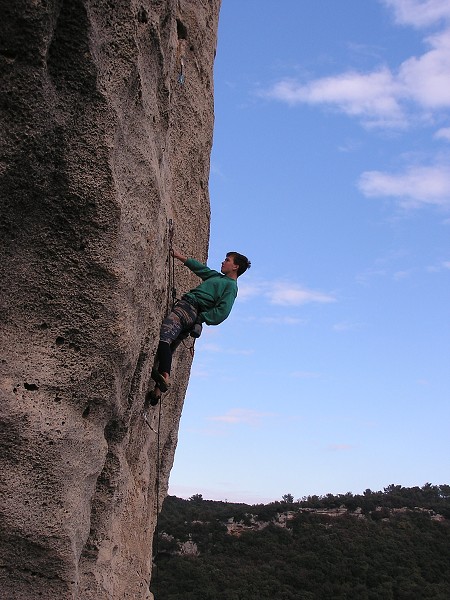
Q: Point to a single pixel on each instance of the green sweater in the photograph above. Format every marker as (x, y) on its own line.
(215, 296)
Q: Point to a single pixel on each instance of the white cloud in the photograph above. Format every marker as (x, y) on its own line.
(217, 349)
(419, 88)
(414, 187)
(215, 170)
(386, 97)
(305, 374)
(288, 294)
(236, 416)
(199, 371)
(276, 320)
(369, 274)
(346, 326)
(371, 96)
(426, 79)
(284, 293)
(419, 13)
(400, 275)
(350, 146)
(443, 134)
(250, 289)
(437, 268)
(340, 447)
(282, 321)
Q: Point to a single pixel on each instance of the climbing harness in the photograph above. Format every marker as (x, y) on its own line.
(191, 348)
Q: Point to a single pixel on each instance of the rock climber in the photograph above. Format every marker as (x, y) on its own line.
(210, 302)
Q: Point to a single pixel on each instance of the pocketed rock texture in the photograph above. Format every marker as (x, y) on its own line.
(106, 113)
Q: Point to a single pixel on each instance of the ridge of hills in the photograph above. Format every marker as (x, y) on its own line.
(381, 545)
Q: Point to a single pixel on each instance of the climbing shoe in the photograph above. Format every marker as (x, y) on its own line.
(152, 398)
(160, 380)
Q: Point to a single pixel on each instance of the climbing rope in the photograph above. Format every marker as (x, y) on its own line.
(171, 300)
(158, 474)
(155, 548)
(171, 289)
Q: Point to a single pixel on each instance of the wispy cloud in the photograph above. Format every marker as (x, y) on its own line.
(426, 79)
(415, 186)
(373, 97)
(284, 293)
(417, 90)
(368, 275)
(305, 374)
(200, 371)
(217, 348)
(443, 134)
(386, 97)
(346, 326)
(401, 275)
(276, 320)
(350, 146)
(340, 447)
(419, 13)
(282, 320)
(390, 266)
(250, 289)
(215, 170)
(237, 416)
(294, 295)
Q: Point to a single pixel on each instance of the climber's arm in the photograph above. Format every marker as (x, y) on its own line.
(179, 256)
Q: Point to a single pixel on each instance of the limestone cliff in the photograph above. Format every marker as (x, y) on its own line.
(106, 117)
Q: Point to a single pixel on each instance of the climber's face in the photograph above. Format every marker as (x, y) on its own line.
(228, 266)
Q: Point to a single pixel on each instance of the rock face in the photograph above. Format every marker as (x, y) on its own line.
(106, 119)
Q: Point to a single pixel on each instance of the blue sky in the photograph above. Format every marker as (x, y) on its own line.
(330, 170)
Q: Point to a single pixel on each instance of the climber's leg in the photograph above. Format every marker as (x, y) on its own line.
(175, 325)
(180, 320)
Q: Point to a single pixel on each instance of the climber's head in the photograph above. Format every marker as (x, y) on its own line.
(240, 261)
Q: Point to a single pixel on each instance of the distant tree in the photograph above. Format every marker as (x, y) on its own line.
(313, 501)
(430, 492)
(288, 498)
(444, 491)
(196, 498)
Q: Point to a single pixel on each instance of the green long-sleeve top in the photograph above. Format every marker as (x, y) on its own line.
(214, 296)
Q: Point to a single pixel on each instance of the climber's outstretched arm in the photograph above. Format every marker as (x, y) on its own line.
(178, 255)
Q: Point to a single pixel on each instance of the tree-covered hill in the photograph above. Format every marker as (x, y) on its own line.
(389, 545)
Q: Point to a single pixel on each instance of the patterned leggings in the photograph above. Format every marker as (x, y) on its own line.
(180, 321)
